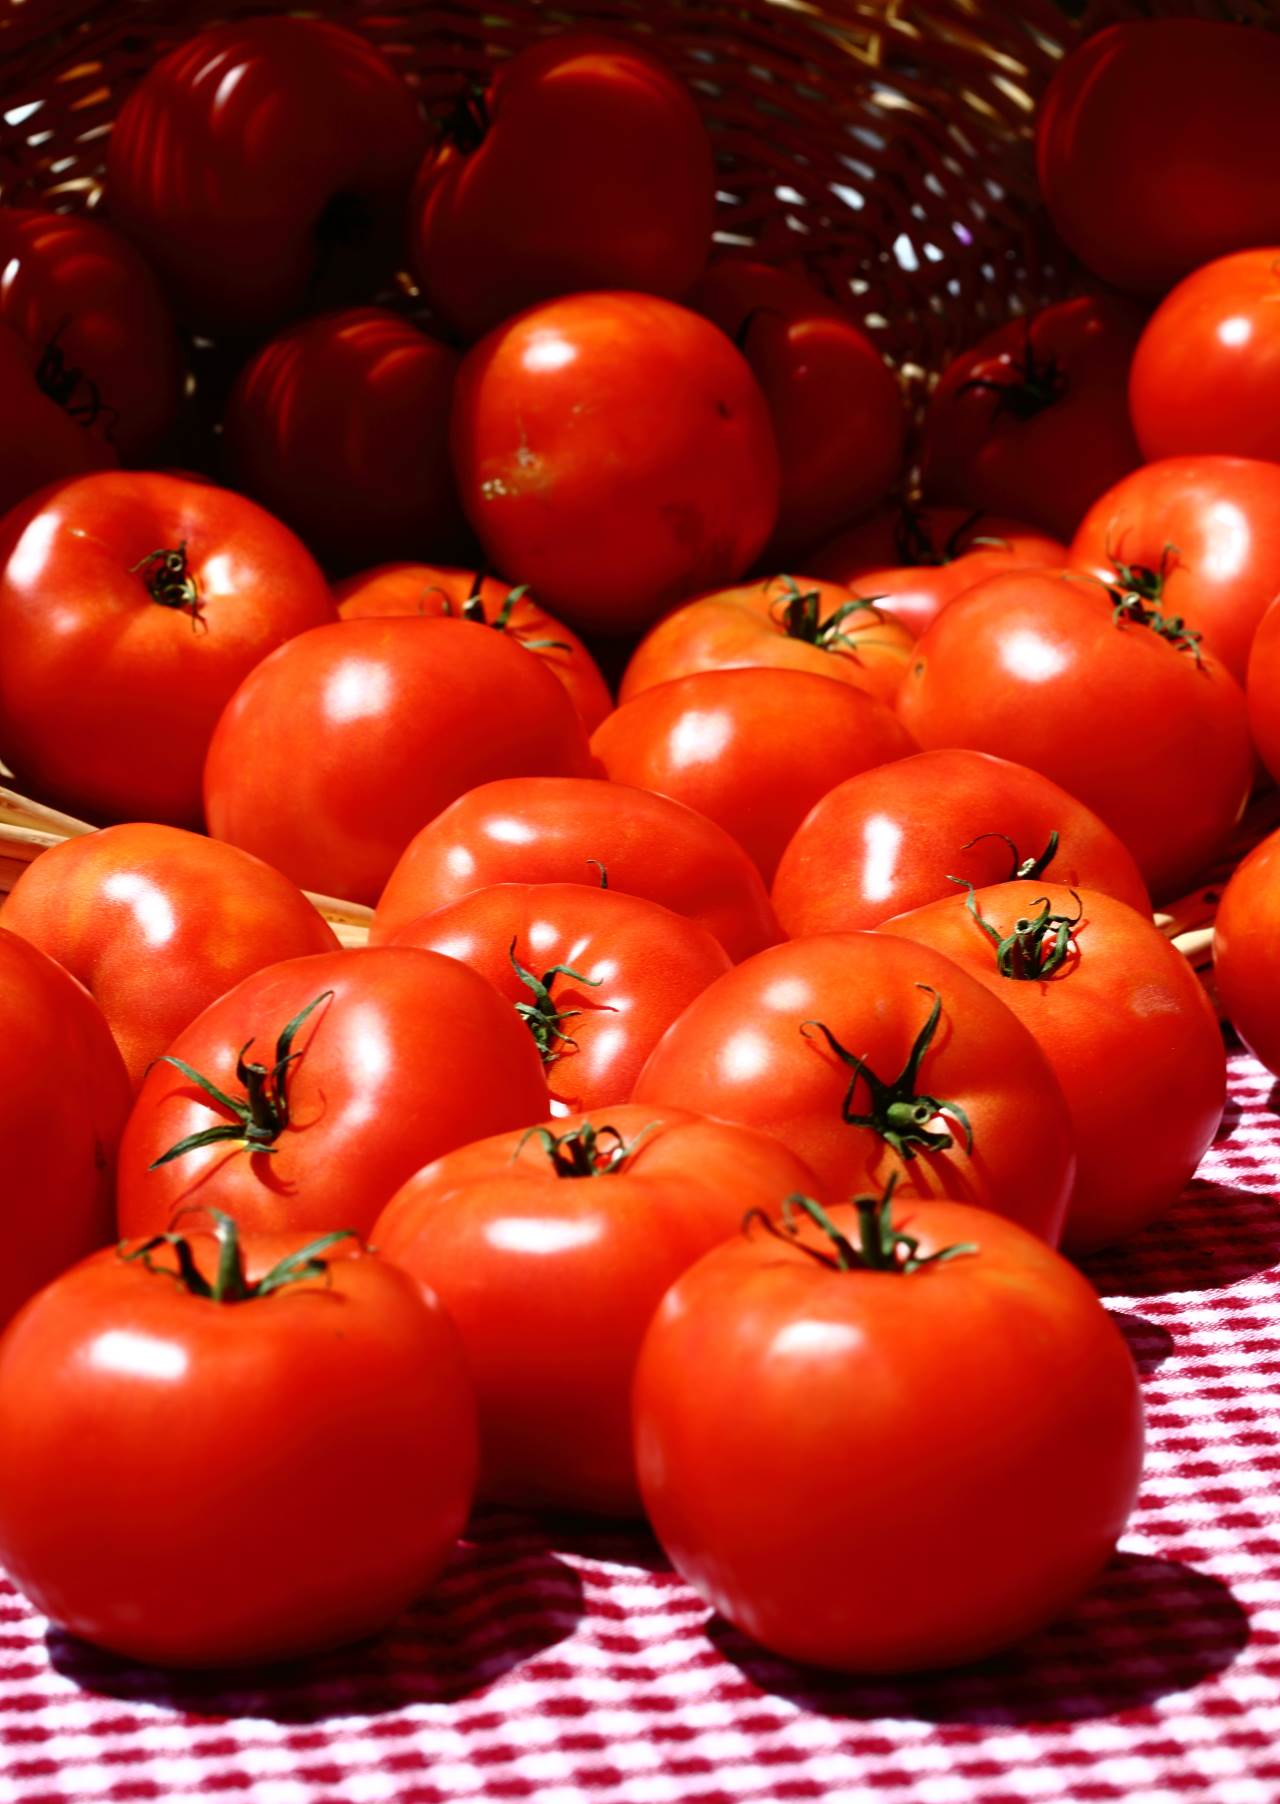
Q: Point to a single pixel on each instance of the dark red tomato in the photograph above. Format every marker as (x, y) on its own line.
(1197, 538)
(131, 607)
(869, 1056)
(562, 830)
(1207, 90)
(584, 165)
(432, 591)
(614, 452)
(550, 1253)
(1246, 951)
(1053, 669)
(791, 1414)
(1264, 689)
(157, 924)
(264, 165)
(837, 411)
(394, 1056)
(893, 838)
(333, 753)
(751, 749)
(598, 976)
(341, 427)
(1123, 1020)
(64, 1095)
(1033, 421)
(237, 1534)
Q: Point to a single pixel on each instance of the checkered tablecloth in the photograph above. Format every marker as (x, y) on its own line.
(560, 1663)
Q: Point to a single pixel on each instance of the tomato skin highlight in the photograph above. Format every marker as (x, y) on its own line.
(1246, 951)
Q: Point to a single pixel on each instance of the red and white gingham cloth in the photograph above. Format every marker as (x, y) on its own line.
(566, 1664)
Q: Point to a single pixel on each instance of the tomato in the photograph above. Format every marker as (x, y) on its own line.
(868, 1056)
(1197, 537)
(750, 749)
(64, 1095)
(262, 165)
(561, 830)
(1033, 421)
(333, 1078)
(598, 976)
(168, 592)
(1246, 951)
(583, 165)
(1264, 689)
(910, 1462)
(315, 1468)
(340, 425)
(334, 751)
(1123, 1020)
(551, 1252)
(614, 452)
(837, 410)
(432, 590)
(1201, 88)
(894, 838)
(157, 924)
(787, 622)
(1101, 694)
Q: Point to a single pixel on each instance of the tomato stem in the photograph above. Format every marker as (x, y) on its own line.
(579, 1152)
(1038, 945)
(169, 580)
(1139, 597)
(1029, 868)
(1037, 383)
(473, 609)
(798, 614)
(881, 1247)
(541, 1016)
(230, 1284)
(897, 1113)
(62, 381)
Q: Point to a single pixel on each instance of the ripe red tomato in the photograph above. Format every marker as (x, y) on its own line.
(157, 924)
(796, 1399)
(1264, 689)
(1246, 951)
(614, 452)
(263, 165)
(333, 1078)
(787, 623)
(260, 1374)
(333, 752)
(751, 749)
(1197, 537)
(550, 1252)
(1076, 681)
(1123, 1020)
(583, 165)
(131, 607)
(64, 1095)
(868, 1056)
(893, 838)
(432, 591)
(1033, 421)
(837, 410)
(560, 830)
(1137, 218)
(340, 426)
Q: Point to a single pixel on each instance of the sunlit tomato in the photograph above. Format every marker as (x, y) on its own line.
(562, 830)
(131, 607)
(339, 1075)
(1053, 669)
(431, 591)
(1142, 220)
(1123, 1020)
(837, 411)
(315, 1468)
(550, 1253)
(788, 623)
(893, 838)
(335, 751)
(64, 1095)
(980, 1408)
(1246, 951)
(614, 452)
(341, 427)
(750, 749)
(1033, 421)
(1264, 689)
(264, 164)
(157, 924)
(583, 165)
(1195, 537)
(868, 1056)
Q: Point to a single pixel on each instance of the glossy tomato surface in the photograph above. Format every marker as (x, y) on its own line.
(1246, 951)
(1263, 689)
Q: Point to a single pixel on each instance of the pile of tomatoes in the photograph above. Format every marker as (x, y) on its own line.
(694, 1135)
